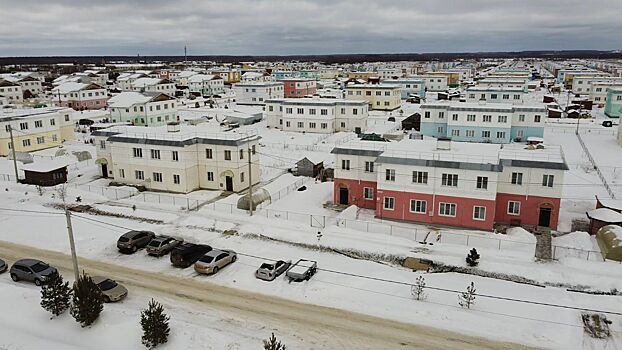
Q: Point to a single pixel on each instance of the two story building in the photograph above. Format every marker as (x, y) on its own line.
(178, 158)
(158, 85)
(80, 96)
(206, 84)
(299, 87)
(257, 92)
(409, 86)
(379, 96)
(143, 109)
(442, 182)
(12, 91)
(496, 94)
(613, 106)
(317, 115)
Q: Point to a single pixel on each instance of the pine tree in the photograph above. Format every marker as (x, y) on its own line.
(88, 301)
(155, 325)
(466, 299)
(472, 258)
(273, 344)
(417, 288)
(55, 295)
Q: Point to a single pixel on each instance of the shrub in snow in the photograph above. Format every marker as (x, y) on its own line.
(273, 344)
(472, 258)
(417, 288)
(154, 322)
(466, 299)
(55, 295)
(88, 301)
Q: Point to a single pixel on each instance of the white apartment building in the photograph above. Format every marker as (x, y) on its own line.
(317, 115)
(178, 158)
(159, 85)
(12, 91)
(256, 93)
(598, 90)
(144, 109)
(496, 94)
(378, 96)
(35, 129)
(27, 82)
(434, 83)
(389, 73)
(582, 84)
(503, 83)
(206, 84)
(125, 81)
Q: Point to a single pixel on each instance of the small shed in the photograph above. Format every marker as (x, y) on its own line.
(613, 204)
(555, 113)
(609, 240)
(548, 99)
(309, 166)
(45, 172)
(602, 217)
(584, 103)
(411, 122)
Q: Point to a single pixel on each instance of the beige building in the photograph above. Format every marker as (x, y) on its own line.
(12, 91)
(378, 96)
(178, 158)
(35, 129)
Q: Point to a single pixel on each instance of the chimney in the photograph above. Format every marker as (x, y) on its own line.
(173, 127)
(443, 143)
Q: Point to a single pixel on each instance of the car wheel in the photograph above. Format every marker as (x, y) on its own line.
(234, 258)
(14, 277)
(106, 299)
(134, 249)
(37, 282)
(215, 269)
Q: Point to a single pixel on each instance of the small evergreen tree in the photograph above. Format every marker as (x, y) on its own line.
(466, 299)
(472, 258)
(88, 301)
(155, 325)
(273, 344)
(417, 288)
(55, 295)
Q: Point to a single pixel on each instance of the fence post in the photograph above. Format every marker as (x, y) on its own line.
(588, 255)
(499, 244)
(188, 203)
(467, 240)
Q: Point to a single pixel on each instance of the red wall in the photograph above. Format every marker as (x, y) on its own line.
(89, 104)
(464, 210)
(529, 208)
(355, 192)
(290, 90)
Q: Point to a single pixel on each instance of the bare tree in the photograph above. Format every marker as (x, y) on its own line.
(417, 288)
(466, 299)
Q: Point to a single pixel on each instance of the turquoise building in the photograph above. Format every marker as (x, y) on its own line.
(613, 106)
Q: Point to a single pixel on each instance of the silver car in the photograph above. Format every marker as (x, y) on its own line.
(3, 266)
(32, 270)
(270, 271)
(162, 245)
(111, 290)
(214, 260)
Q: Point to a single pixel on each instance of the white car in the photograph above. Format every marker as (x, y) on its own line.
(215, 260)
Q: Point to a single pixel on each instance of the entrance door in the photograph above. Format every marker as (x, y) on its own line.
(544, 219)
(343, 195)
(105, 170)
(229, 183)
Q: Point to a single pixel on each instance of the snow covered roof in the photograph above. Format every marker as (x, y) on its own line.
(614, 204)
(127, 99)
(70, 87)
(199, 78)
(146, 81)
(45, 165)
(316, 101)
(605, 215)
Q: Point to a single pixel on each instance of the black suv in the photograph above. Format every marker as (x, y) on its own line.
(131, 241)
(187, 254)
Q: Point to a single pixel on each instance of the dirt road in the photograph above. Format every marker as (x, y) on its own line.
(319, 327)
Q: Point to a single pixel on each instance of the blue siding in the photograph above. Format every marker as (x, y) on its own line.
(431, 129)
(527, 132)
(477, 136)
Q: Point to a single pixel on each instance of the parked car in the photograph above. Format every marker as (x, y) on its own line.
(270, 271)
(3, 266)
(607, 123)
(131, 241)
(32, 270)
(302, 270)
(162, 245)
(187, 254)
(111, 290)
(215, 260)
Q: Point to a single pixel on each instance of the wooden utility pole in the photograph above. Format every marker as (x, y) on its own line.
(13, 152)
(250, 182)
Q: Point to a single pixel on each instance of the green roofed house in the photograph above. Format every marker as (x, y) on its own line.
(613, 107)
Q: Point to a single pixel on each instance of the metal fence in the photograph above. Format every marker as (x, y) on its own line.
(568, 252)
(600, 174)
(183, 202)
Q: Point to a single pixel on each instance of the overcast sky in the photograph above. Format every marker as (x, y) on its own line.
(280, 27)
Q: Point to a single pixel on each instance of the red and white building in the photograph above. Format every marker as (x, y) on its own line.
(80, 96)
(295, 87)
(449, 183)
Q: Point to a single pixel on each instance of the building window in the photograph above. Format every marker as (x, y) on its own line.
(450, 180)
(536, 118)
(301, 125)
(102, 144)
(287, 124)
(470, 133)
(157, 177)
(54, 138)
(426, 114)
(242, 154)
(40, 140)
(242, 177)
(447, 209)
(288, 110)
(122, 173)
(470, 117)
(323, 111)
(389, 203)
(368, 193)
(253, 149)
(175, 155)
(547, 180)
(138, 152)
(139, 175)
(420, 177)
(345, 164)
(513, 208)
(517, 178)
(390, 175)
(209, 154)
(210, 176)
(52, 122)
(500, 134)
(227, 155)
(441, 115)
(300, 110)
(38, 124)
(23, 126)
(521, 117)
(502, 119)
(455, 132)
(454, 117)
(312, 125)
(417, 206)
(155, 154)
(486, 134)
(479, 213)
(176, 179)
(482, 182)
(369, 167)
(324, 125)
(487, 118)
(519, 133)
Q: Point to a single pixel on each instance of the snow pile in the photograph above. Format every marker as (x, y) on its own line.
(520, 234)
(349, 213)
(576, 240)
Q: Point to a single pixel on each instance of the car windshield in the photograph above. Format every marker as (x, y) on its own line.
(154, 243)
(123, 239)
(206, 259)
(267, 266)
(107, 284)
(38, 267)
